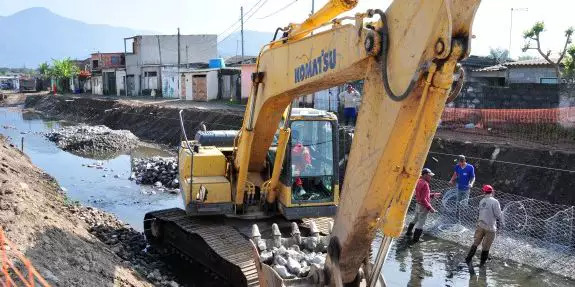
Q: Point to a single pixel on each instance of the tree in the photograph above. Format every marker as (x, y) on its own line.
(62, 70)
(533, 35)
(499, 55)
(44, 70)
(569, 63)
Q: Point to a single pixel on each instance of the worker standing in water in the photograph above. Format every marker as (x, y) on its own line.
(489, 215)
(350, 99)
(464, 174)
(423, 207)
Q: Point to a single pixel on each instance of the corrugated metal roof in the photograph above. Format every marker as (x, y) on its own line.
(491, 69)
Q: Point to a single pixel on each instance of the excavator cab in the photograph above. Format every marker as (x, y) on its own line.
(308, 185)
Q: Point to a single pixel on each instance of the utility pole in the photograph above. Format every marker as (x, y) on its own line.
(242, 20)
(511, 26)
(179, 63)
(313, 94)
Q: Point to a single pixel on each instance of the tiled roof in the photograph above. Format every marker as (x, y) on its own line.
(535, 62)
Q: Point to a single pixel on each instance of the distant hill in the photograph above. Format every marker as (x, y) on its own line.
(36, 35)
(253, 42)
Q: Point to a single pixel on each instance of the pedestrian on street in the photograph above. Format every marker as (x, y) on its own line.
(464, 176)
(350, 99)
(489, 217)
(423, 207)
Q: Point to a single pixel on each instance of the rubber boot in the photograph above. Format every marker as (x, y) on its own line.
(409, 231)
(484, 257)
(416, 235)
(470, 254)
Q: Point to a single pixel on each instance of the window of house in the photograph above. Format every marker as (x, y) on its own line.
(548, 80)
(115, 60)
(94, 64)
(150, 74)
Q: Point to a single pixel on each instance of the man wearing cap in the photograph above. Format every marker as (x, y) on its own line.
(464, 173)
(423, 198)
(489, 214)
(350, 99)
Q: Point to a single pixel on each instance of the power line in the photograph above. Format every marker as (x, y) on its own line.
(508, 162)
(279, 10)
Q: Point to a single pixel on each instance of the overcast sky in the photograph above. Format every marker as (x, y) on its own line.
(491, 26)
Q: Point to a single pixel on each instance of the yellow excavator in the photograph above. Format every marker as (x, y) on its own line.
(282, 165)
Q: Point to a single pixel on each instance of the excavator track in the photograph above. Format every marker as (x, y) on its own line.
(220, 248)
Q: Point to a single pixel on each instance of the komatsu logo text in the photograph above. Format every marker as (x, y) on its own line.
(316, 66)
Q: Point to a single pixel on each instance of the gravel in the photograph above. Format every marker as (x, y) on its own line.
(84, 139)
(162, 172)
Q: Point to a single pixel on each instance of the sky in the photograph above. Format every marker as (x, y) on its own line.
(491, 27)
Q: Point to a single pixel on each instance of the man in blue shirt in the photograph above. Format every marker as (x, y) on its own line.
(464, 173)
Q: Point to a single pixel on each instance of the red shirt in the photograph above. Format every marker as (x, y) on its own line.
(300, 157)
(423, 193)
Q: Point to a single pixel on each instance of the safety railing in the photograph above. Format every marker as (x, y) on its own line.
(10, 274)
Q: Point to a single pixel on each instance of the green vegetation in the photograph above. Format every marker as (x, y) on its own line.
(533, 42)
(60, 71)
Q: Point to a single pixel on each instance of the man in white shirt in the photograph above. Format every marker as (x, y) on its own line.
(489, 214)
(350, 100)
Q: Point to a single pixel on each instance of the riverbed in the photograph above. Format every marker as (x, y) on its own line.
(434, 262)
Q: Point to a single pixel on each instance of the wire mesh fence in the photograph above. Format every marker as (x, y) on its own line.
(532, 232)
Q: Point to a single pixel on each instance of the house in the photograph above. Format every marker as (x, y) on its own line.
(247, 65)
(151, 57)
(211, 84)
(537, 71)
(107, 73)
(81, 83)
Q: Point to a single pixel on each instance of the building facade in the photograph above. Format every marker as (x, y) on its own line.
(108, 73)
(148, 57)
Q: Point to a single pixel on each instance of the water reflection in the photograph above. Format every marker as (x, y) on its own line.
(107, 188)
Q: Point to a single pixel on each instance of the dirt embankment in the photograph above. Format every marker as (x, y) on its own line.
(8, 99)
(70, 245)
(148, 120)
(531, 172)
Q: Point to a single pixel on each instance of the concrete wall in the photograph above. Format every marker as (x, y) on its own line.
(170, 83)
(247, 71)
(200, 48)
(531, 74)
(515, 96)
(120, 83)
(212, 85)
(327, 100)
(97, 86)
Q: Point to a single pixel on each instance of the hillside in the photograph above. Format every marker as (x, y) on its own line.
(35, 35)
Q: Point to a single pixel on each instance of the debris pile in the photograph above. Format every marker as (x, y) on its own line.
(295, 256)
(159, 171)
(89, 140)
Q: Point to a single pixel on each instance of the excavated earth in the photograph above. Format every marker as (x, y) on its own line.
(73, 245)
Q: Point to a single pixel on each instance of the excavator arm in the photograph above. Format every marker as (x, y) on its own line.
(407, 57)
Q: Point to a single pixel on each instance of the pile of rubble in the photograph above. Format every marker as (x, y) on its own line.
(295, 256)
(85, 139)
(127, 243)
(159, 171)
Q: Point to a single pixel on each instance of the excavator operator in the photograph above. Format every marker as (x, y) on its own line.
(301, 159)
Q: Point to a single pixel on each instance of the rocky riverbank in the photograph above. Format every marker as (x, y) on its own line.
(93, 140)
(69, 244)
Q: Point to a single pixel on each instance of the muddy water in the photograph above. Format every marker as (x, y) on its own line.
(108, 189)
(433, 262)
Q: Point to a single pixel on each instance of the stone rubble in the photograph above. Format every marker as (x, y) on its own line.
(129, 244)
(162, 172)
(86, 139)
(300, 255)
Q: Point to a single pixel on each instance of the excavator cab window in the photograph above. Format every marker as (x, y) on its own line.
(311, 158)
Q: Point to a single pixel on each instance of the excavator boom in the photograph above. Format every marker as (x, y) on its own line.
(408, 57)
